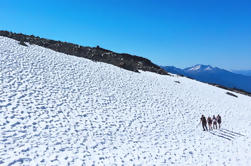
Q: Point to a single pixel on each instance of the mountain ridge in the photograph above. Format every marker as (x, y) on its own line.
(122, 60)
(242, 72)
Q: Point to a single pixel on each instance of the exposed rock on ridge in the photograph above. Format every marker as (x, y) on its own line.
(126, 61)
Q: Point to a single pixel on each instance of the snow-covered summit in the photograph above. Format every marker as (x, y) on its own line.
(57, 109)
(200, 67)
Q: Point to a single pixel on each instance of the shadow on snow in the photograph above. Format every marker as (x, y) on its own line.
(226, 134)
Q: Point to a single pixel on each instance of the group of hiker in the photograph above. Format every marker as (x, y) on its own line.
(210, 121)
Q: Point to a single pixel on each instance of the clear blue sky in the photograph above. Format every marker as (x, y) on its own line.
(168, 32)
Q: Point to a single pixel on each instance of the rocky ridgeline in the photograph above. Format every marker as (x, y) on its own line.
(126, 61)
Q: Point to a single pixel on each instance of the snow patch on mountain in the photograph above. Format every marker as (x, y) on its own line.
(209, 68)
(200, 68)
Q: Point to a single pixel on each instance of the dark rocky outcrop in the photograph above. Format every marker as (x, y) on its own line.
(231, 94)
(126, 61)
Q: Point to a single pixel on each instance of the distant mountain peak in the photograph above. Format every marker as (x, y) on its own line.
(214, 75)
(200, 67)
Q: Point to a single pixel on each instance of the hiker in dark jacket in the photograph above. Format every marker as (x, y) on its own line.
(209, 121)
(214, 122)
(219, 120)
(204, 122)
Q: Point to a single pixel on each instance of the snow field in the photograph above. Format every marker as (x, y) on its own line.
(57, 109)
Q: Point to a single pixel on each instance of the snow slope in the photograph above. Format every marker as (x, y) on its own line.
(57, 109)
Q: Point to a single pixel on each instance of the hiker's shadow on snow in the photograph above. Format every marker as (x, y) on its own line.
(226, 134)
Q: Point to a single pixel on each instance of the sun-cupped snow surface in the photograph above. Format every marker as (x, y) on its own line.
(57, 109)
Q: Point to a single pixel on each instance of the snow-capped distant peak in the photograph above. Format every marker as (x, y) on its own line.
(196, 67)
(200, 67)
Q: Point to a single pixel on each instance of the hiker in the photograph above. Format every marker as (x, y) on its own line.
(214, 122)
(204, 122)
(209, 121)
(219, 120)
